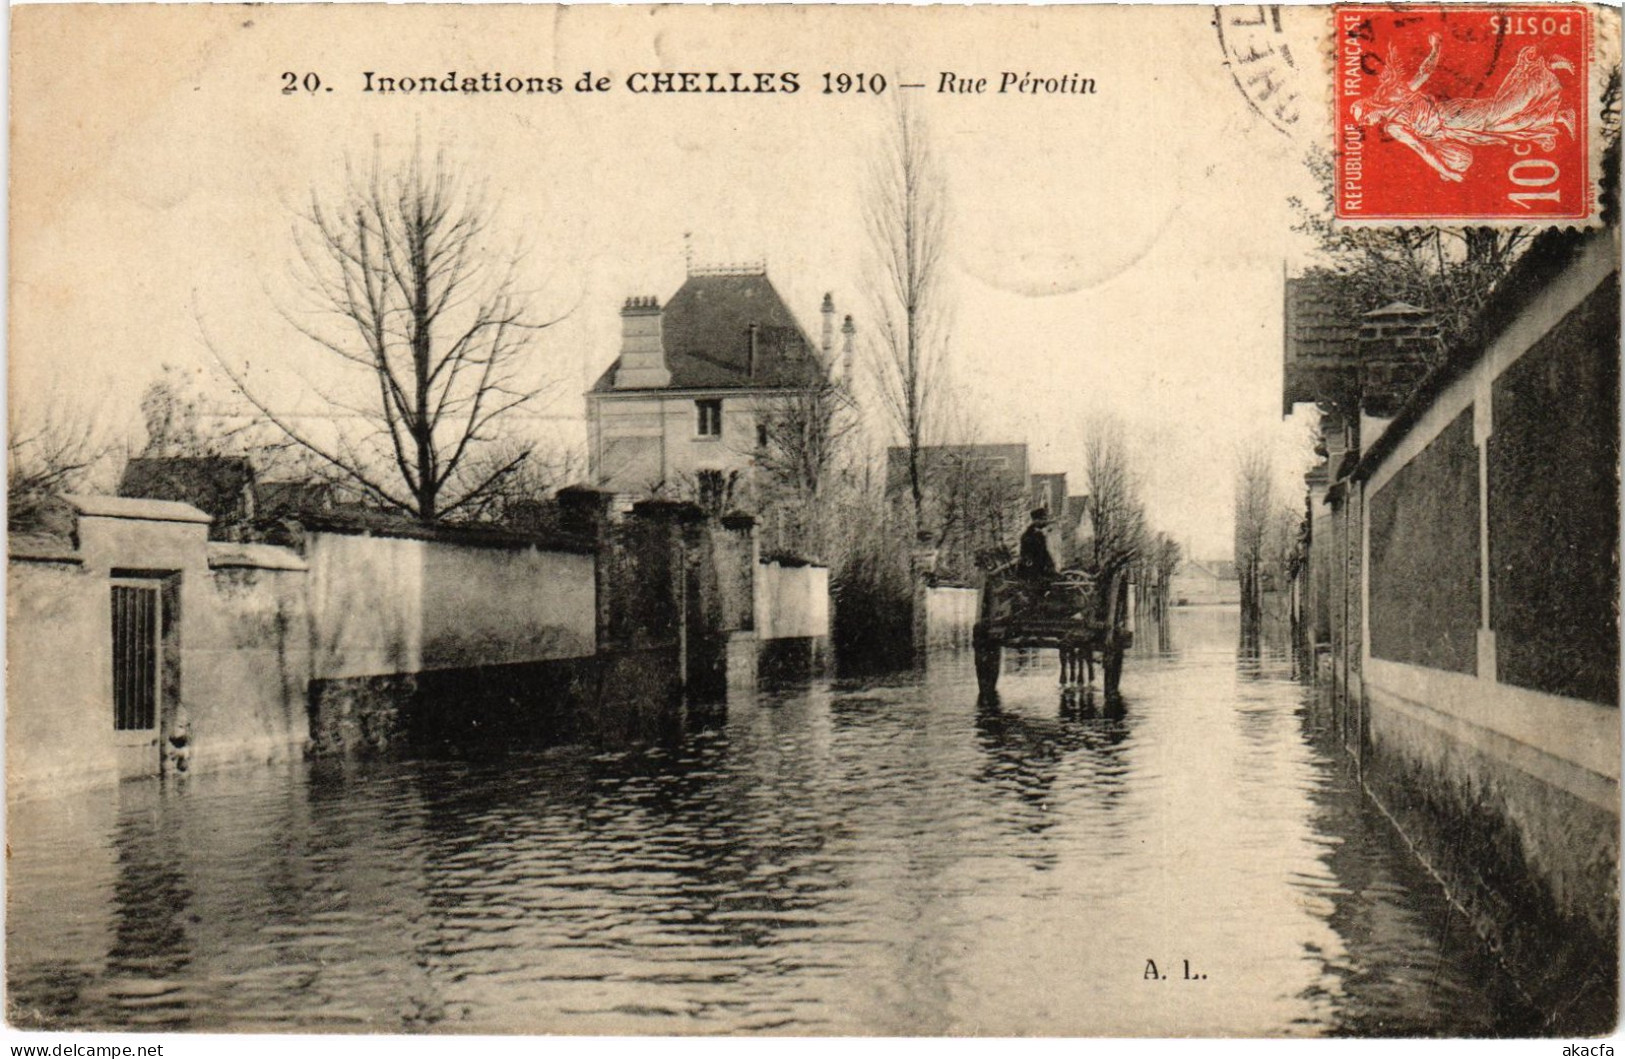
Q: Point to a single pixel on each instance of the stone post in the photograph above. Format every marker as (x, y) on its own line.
(738, 574)
(678, 525)
(584, 514)
(736, 570)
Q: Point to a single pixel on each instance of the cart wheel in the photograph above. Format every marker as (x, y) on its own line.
(989, 660)
(1113, 663)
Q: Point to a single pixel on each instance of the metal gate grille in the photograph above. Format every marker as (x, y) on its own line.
(135, 657)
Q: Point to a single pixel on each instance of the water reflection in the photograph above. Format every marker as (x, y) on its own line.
(865, 855)
(1027, 756)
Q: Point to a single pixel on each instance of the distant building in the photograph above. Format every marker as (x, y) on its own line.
(1049, 492)
(995, 487)
(1069, 528)
(1075, 528)
(684, 403)
(1006, 464)
(291, 499)
(1202, 582)
(222, 487)
(240, 506)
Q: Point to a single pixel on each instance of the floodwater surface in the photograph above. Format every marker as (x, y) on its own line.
(835, 857)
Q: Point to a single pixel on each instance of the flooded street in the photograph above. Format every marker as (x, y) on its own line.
(840, 857)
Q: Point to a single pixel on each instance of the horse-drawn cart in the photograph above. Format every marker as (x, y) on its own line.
(1083, 616)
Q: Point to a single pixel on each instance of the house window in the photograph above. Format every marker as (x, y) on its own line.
(710, 418)
(761, 435)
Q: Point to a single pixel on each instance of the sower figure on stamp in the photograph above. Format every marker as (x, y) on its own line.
(1527, 108)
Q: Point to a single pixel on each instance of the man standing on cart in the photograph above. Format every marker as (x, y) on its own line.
(1036, 567)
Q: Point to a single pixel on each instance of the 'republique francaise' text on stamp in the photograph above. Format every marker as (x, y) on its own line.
(1464, 113)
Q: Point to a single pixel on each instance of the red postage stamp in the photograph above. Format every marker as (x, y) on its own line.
(1463, 113)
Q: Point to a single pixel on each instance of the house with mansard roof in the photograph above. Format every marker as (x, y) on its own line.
(684, 406)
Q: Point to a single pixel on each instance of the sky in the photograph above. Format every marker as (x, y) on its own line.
(1118, 254)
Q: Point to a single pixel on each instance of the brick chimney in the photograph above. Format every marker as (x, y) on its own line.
(848, 341)
(643, 350)
(827, 344)
(1397, 344)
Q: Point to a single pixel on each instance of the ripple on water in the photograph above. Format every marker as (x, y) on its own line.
(843, 857)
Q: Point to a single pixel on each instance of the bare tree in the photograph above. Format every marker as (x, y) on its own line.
(185, 416)
(974, 507)
(1117, 514)
(51, 449)
(804, 433)
(408, 298)
(1154, 580)
(1254, 508)
(522, 498)
(1283, 539)
(804, 438)
(905, 211)
(172, 414)
(871, 582)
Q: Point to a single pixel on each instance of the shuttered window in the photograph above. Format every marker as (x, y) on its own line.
(709, 416)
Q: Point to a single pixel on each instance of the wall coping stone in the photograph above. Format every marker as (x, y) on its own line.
(135, 508)
(474, 536)
(786, 562)
(41, 548)
(232, 555)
